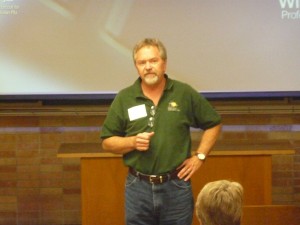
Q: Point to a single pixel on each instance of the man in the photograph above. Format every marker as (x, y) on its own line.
(220, 203)
(149, 124)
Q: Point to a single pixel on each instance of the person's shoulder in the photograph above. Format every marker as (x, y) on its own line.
(182, 85)
(126, 90)
(129, 89)
(186, 89)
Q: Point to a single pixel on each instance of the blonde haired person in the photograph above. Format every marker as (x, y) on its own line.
(220, 203)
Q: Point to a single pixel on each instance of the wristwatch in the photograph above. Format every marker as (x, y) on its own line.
(201, 156)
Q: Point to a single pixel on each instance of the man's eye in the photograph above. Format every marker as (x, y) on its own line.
(141, 63)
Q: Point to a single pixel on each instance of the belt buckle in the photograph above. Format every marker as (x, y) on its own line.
(152, 179)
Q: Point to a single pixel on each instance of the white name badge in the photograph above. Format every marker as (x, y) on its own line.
(137, 112)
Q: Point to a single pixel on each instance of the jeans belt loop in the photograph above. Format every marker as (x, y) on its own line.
(138, 175)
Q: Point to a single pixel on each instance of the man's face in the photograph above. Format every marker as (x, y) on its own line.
(150, 65)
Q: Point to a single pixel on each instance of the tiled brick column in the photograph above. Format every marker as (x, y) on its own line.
(36, 187)
(297, 175)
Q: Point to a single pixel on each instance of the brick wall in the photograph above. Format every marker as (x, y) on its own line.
(37, 188)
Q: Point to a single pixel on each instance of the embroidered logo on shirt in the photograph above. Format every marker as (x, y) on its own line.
(173, 106)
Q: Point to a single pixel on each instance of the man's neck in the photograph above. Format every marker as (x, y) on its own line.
(154, 92)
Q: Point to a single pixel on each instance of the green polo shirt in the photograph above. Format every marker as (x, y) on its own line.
(180, 108)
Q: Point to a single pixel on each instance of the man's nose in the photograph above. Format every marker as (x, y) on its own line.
(148, 65)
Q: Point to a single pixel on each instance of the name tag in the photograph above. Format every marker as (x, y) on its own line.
(137, 112)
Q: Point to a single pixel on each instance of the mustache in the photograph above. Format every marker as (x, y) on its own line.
(150, 73)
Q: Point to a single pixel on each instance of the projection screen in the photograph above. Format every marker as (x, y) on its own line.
(80, 47)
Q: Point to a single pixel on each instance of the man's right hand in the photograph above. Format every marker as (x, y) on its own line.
(142, 141)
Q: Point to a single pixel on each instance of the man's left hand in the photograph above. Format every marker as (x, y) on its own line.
(189, 167)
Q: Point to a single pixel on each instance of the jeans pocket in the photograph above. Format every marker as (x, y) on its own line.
(130, 180)
(180, 183)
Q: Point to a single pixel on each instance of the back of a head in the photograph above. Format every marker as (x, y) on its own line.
(220, 203)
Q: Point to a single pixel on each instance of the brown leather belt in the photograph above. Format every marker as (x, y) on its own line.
(155, 179)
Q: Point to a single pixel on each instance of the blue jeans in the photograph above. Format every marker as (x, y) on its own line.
(169, 203)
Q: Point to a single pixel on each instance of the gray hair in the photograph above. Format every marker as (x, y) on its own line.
(150, 42)
(220, 203)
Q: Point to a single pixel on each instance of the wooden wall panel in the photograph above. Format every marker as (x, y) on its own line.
(103, 181)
